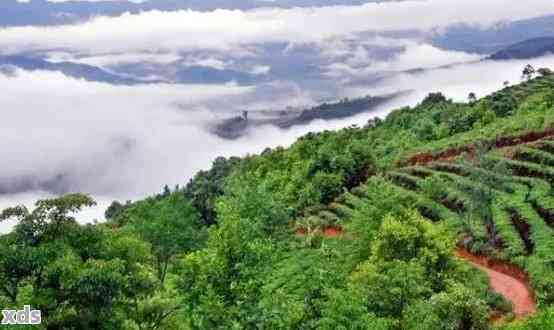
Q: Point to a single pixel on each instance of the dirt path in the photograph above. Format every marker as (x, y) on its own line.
(506, 280)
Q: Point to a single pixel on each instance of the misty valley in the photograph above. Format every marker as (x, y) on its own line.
(307, 164)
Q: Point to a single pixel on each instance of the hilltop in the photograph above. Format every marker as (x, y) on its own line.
(351, 229)
(525, 50)
(237, 126)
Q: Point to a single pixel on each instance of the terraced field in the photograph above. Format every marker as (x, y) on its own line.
(499, 202)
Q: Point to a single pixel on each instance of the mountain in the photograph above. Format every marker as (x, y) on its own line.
(207, 75)
(476, 39)
(237, 126)
(75, 70)
(410, 222)
(120, 75)
(527, 49)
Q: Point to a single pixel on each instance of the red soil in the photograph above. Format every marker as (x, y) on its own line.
(328, 232)
(507, 280)
(300, 232)
(332, 232)
(501, 142)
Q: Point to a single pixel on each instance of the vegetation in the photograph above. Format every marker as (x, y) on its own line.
(244, 244)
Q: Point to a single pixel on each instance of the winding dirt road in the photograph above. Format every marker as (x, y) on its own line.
(506, 280)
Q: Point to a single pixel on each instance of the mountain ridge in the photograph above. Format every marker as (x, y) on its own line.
(527, 49)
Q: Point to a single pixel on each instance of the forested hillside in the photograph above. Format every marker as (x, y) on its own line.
(526, 49)
(349, 229)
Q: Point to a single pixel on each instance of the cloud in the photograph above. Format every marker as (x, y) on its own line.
(81, 136)
(424, 56)
(57, 1)
(126, 142)
(29, 199)
(62, 134)
(118, 142)
(111, 59)
(360, 63)
(456, 81)
(226, 30)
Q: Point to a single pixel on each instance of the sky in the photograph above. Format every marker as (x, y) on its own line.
(62, 134)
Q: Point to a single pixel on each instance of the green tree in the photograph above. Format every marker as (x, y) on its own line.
(389, 287)
(328, 185)
(503, 104)
(221, 284)
(426, 129)
(171, 225)
(472, 98)
(381, 199)
(207, 186)
(347, 309)
(71, 273)
(115, 210)
(544, 71)
(528, 72)
(455, 309)
(411, 237)
(248, 199)
(49, 219)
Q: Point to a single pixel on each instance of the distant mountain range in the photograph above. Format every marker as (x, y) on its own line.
(527, 49)
(208, 75)
(196, 74)
(75, 70)
(475, 39)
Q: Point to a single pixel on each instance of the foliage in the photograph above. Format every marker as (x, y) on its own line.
(78, 276)
(544, 320)
(456, 308)
(234, 249)
(206, 186)
(171, 226)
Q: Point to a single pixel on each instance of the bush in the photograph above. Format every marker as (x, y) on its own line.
(542, 321)
(455, 309)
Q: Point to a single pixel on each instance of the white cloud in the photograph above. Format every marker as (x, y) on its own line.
(211, 62)
(359, 63)
(116, 142)
(424, 56)
(29, 199)
(260, 69)
(111, 59)
(157, 31)
(456, 81)
(101, 138)
(119, 142)
(134, 1)
(125, 142)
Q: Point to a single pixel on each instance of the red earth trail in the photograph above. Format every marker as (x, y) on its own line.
(506, 280)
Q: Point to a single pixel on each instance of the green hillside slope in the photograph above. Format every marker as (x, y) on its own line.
(350, 229)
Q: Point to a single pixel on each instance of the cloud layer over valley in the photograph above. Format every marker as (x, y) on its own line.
(116, 141)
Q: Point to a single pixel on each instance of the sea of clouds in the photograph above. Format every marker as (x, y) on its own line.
(61, 134)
